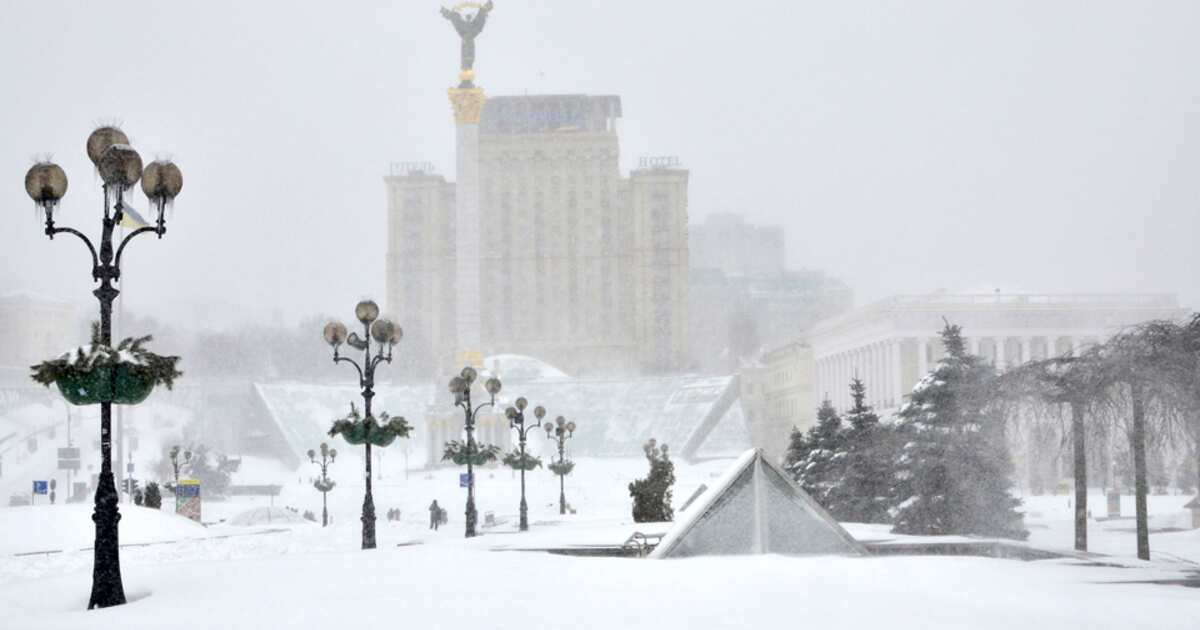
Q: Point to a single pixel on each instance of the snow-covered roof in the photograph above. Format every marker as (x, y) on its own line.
(614, 417)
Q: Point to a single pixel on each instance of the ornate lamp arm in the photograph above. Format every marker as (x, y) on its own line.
(337, 358)
(51, 231)
(489, 403)
(129, 237)
(380, 358)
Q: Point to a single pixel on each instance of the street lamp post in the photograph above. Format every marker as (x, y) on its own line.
(460, 386)
(120, 168)
(176, 465)
(386, 334)
(516, 420)
(560, 431)
(324, 485)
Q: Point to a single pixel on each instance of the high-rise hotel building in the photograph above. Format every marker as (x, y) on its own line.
(578, 266)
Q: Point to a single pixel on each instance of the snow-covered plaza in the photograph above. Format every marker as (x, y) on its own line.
(288, 573)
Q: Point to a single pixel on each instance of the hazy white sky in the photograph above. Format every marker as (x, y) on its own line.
(906, 146)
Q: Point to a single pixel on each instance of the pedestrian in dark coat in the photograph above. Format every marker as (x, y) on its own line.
(434, 513)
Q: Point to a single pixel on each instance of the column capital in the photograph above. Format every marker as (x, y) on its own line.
(467, 104)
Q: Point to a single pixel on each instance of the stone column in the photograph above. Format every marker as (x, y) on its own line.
(1051, 346)
(834, 375)
(467, 103)
(897, 382)
(922, 357)
(839, 388)
(880, 385)
(973, 345)
(1026, 350)
(1001, 347)
(1076, 345)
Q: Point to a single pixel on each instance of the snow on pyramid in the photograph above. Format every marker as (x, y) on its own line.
(755, 508)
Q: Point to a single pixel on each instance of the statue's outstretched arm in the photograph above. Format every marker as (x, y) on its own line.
(446, 13)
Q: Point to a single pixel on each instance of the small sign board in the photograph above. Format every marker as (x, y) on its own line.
(69, 452)
(41, 487)
(129, 467)
(188, 495)
(1114, 504)
(68, 464)
(463, 480)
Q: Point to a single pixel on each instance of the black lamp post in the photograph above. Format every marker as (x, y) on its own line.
(324, 485)
(516, 420)
(386, 334)
(560, 431)
(120, 168)
(460, 386)
(176, 465)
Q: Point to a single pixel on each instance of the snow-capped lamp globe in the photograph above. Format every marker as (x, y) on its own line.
(366, 429)
(102, 372)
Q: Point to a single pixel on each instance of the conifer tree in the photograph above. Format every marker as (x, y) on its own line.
(652, 495)
(863, 467)
(816, 472)
(954, 472)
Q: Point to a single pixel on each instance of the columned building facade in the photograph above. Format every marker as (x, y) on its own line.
(893, 343)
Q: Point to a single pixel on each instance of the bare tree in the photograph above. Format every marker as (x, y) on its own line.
(1145, 365)
(1076, 381)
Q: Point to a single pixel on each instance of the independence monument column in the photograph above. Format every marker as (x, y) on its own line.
(467, 101)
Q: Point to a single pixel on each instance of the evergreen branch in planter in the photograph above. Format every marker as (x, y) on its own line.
(562, 468)
(97, 363)
(358, 430)
(457, 452)
(514, 461)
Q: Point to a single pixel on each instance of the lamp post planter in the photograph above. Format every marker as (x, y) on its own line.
(358, 431)
(522, 462)
(561, 468)
(474, 454)
(98, 373)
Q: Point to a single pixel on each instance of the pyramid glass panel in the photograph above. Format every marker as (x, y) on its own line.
(795, 527)
(727, 526)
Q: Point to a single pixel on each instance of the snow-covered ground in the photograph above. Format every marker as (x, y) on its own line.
(287, 575)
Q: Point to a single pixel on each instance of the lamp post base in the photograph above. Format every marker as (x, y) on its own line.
(471, 516)
(107, 589)
(368, 522)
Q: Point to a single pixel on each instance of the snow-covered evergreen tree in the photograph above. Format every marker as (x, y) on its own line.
(652, 495)
(863, 468)
(816, 471)
(955, 472)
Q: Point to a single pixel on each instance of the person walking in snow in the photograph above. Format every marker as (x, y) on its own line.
(434, 512)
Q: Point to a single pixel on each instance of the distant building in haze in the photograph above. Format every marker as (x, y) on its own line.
(578, 266)
(726, 242)
(35, 328)
(744, 300)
